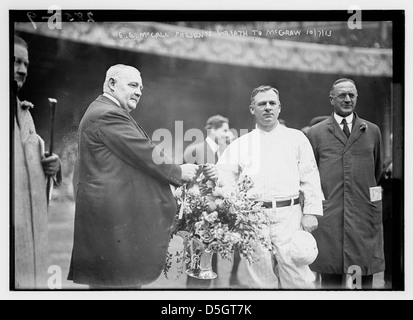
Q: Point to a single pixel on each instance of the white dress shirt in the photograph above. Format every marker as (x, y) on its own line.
(280, 163)
(349, 120)
(214, 147)
(107, 95)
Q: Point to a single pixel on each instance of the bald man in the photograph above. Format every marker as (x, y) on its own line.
(124, 204)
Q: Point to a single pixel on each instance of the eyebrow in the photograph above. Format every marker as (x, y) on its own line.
(21, 59)
(346, 91)
(265, 101)
(136, 83)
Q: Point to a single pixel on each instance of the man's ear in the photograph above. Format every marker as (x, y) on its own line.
(212, 132)
(331, 99)
(111, 84)
(252, 109)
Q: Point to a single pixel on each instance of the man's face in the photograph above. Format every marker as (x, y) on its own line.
(221, 134)
(344, 98)
(21, 63)
(266, 108)
(127, 88)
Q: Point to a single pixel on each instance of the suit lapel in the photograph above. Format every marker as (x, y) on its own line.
(335, 129)
(139, 127)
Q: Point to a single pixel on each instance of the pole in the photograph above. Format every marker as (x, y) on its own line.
(49, 187)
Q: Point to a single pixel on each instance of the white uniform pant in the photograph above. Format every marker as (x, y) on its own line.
(283, 223)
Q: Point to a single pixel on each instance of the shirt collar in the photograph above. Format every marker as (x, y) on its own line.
(349, 118)
(271, 132)
(107, 95)
(214, 147)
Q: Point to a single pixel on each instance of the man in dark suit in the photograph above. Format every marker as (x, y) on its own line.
(124, 204)
(349, 156)
(219, 136)
(209, 150)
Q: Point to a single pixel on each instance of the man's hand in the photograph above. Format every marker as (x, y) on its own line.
(51, 164)
(210, 172)
(188, 171)
(309, 222)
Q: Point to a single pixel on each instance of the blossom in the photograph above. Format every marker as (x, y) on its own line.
(206, 236)
(363, 126)
(252, 194)
(211, 217)
(221, 222)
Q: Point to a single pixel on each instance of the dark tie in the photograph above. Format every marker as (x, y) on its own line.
(216, 157)
(345, 128)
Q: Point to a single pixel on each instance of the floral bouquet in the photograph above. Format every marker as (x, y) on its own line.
(210, 222)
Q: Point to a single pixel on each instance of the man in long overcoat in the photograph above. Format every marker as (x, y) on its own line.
(31, 168)
(124, 203)
(349, 235)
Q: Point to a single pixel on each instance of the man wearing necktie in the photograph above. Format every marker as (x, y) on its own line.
(349, 156)
(209, 150)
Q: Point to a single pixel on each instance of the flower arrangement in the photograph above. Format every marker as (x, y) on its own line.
(222, 223)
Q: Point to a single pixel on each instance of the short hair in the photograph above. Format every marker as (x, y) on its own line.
(20, 41)
(216, 122)
(340, 81)
(114, 71)
(263, 89)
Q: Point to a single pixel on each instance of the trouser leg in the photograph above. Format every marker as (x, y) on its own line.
(261, 274)
(233, 280)
(331, 281)
(367, 282)
(335, 281)
(284, 223)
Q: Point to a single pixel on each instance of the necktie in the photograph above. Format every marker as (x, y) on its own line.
(216, 157)
(345, 128)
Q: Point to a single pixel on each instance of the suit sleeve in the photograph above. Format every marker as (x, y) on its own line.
(123, 138)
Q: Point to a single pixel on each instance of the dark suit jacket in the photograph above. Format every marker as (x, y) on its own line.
(350, 231)
(124, 204)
